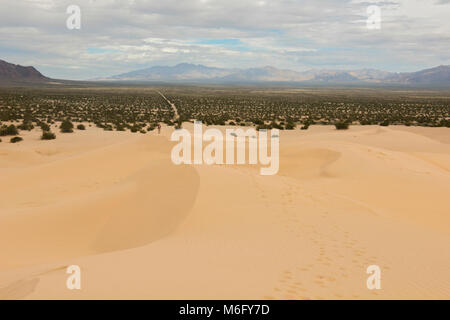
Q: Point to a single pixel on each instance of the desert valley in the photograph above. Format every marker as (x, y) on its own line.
(109, 199)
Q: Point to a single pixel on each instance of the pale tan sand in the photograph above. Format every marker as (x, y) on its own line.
(140, 227)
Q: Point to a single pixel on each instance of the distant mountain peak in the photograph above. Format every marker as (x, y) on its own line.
(185, 64)
(439, 75)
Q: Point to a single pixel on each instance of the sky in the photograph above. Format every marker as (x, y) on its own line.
(118, 36)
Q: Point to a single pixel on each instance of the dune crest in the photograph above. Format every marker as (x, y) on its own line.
(161, 197)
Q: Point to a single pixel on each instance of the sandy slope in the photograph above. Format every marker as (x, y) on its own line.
(140, 227)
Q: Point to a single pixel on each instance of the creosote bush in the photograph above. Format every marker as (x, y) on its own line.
(290, 126)
(44, 126)
(26, 125)
(81, 127)
(66, 126)
(305, 127)
(10, 130)
(48, 135)
(16, 139)
(341, 125)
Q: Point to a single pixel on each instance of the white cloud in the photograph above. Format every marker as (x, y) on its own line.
(131, 34)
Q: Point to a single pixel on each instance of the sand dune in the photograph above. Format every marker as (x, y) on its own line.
(141, 227)
(94, 202)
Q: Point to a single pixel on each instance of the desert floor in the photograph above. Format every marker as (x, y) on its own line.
(140, 227)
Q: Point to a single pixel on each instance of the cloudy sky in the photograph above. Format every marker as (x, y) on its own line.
(117, 36)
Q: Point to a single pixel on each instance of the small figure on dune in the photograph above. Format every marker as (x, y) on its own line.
(159, 128)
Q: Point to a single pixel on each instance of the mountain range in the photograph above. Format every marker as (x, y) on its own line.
(185, 72)
(190, 72)
(16, 73)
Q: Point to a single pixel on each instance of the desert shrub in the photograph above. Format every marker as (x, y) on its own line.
(290, 126)
(81, 127)
(385, 123)
(143, 131)
(26, 125)
(66, 126)
(341, 125)
(275, 125)
(16, 139)
(262, 127)
(44, 126)
(48, 135)
(178, 125)
(305, 127)
(10, 130)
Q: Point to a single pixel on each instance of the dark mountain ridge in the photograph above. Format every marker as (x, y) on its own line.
(16, 73)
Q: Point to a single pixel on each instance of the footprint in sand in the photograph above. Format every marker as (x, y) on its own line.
(20, 289)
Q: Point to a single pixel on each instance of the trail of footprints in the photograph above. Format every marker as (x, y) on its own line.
(328, 271)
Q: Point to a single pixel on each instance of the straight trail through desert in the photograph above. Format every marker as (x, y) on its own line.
(174, 108)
